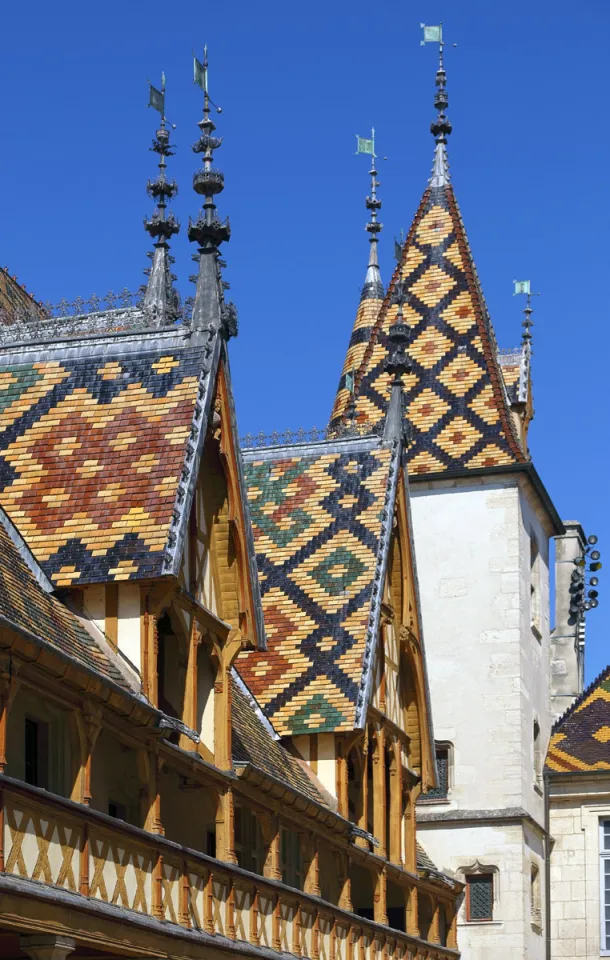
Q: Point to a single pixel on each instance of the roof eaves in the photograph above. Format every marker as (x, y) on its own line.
(172, 554)
(372, 632)
(255, 587)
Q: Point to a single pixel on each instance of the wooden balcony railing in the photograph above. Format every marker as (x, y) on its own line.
(66, 845)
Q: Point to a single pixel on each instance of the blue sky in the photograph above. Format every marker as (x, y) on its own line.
(529, 154)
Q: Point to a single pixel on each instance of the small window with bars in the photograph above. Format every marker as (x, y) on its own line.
(479, 896)
(442, 765)
(604, 882)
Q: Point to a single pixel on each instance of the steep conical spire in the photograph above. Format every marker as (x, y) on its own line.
(373, 287)
(458, 411)
(207, 230)
(441, 126)
(160, 296)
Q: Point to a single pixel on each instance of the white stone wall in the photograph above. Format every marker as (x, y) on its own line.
(502, 849)
(576, 810)
(489, 679)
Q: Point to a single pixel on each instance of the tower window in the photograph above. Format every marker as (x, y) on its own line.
(479, 896)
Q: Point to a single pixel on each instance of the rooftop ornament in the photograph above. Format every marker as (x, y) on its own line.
(441, 126)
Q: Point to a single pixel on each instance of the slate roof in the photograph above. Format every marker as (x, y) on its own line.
(253, 743)
(321, 516)
(26, 605)
(93, 440)
(15, 301)
(580, 740)
(456, 401)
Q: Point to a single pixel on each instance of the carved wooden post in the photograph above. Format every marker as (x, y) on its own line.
(345, 896)
(434, 934)
(452, 931)
(312, 875)
(380, 899)
(412, 913)
(271, 835)
(364, 779)
(395, 801)
(190, 712)
(8, 688)
(342, 780)
(379, 792)
(225, 826)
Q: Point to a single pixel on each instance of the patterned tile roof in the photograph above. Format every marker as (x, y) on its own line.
(320, 517)
(455, 395)
(581, 738)
(253, 743)
(92, 446)
(26, 605)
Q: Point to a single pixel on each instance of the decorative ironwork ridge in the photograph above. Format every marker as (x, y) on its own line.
(289, 438)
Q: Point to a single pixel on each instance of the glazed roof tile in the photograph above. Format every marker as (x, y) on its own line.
(580, 740)
(253, 743)
(320, 517)
(93, 442)
(26, 605)
(456, 400)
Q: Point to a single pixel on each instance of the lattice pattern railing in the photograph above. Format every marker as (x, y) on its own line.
(61, 844)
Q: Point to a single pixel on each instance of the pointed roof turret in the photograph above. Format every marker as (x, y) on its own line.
(455, 399)
(371, 296)
(207, 230)
(160, 296)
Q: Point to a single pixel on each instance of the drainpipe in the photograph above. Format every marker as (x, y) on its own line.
(547, 865)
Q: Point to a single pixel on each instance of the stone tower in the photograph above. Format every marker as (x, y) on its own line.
(483, 522)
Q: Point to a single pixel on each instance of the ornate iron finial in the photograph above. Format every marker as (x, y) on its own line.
(373, 286)
(160, 295)
(441, 126)
(525, 287)
(208, 231)
(398, 363)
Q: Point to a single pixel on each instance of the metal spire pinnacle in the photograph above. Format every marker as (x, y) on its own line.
(160, 296)
(373, 286)
(207, 230)
(397, 363)
(441, 126)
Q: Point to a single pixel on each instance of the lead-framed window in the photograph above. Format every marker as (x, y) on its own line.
(604, 887)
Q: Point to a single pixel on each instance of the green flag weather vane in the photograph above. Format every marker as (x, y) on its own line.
(200, 77)
(432, 34)
(522, 286)
(364, 145)
(156, 98)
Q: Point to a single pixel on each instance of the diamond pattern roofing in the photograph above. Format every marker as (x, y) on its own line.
(580, 740)
(320, 517)
(456, 401)
(92, 446)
